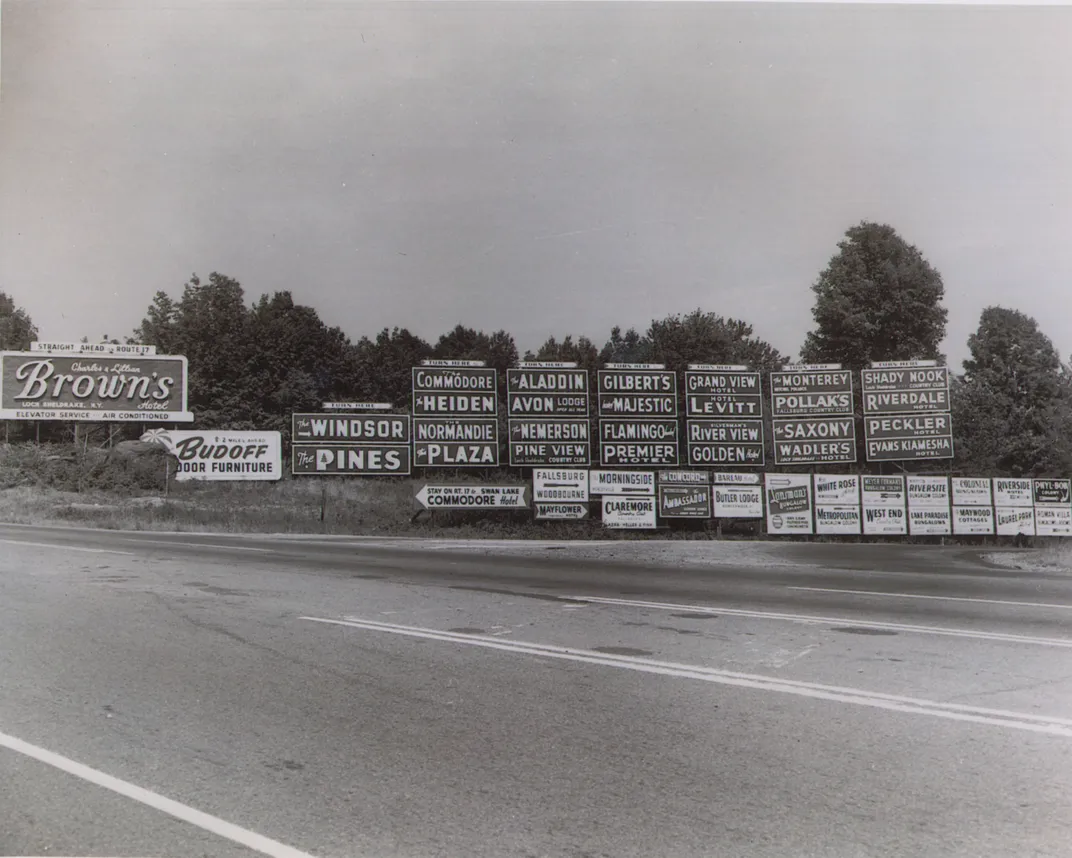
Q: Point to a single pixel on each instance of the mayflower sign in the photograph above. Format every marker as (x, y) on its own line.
(127, 388)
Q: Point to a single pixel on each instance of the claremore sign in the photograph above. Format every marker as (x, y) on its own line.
(124, 389)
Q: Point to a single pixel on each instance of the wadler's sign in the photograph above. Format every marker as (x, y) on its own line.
(106, 388)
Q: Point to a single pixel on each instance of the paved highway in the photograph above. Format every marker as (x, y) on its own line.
(178, 695)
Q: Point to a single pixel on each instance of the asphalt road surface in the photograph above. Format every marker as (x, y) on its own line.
(195, 695)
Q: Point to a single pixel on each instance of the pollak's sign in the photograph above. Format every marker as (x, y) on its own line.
(107, 388)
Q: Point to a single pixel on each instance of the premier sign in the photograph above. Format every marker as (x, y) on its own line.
(638, 442)
(457, 390)
(725, 442)
(908, 437)
(898, 387)
(121, 389)
(549, 442)
(356, 460)
(546, 391)
(723, 393)
(637, 392)
(811, 391)
(444, 442)
(814, 440)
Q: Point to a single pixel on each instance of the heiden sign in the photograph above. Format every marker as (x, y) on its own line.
(723, 394)
(725, 442)
(813, 440)
(638, 442)
(548, 392)
(908, 437)
(549, 442)
(647, 393)
(221, 455)
(356, 460)
(122, 389)
(811, 393)
(445, 442)
(365, 429)
(458, 391)
(900, 390)
(684, 501)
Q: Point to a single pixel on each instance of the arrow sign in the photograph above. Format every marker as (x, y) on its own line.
(467, 496)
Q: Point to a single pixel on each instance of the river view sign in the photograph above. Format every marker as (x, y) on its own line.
(107, 388)
(725, 442)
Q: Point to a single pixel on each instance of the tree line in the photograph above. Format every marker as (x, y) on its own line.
(252, 365)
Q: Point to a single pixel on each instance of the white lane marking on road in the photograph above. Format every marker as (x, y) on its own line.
(936, 598)
(212, 824)
(911, 705)
(64, 547)
(838, 621)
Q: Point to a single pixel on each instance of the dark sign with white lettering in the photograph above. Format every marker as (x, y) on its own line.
(723, 394)
(814, 440)
(538, 443)
(684, 501)
(638, 442)
(899, 438)
(463, 391)
(892, 389)
(811, 392)
(350, 429)
(447, 442)
(547, 392)
(350, 459)
(725, 442)
(637, 393)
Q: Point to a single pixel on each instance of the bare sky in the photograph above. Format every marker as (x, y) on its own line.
(543, 168)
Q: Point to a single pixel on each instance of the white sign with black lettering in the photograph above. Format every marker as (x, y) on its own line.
(973, 521)
(972, 491)
(885, 521)
(738, 501)
(1013, 492)
(621, 482)
(554, 485)
(634, 513)
(928, 506)
(1013, 520)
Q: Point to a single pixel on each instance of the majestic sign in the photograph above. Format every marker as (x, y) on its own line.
(219, 455)
(357, 460)
(908, 437)
(127, 389)
(725, 442)
(738, 500)
(560, 511)
(547, 392)
(93, 348)
(621, 482)
(971, 491)
(535, 441)
(629, 513)
(638, 442)
(723, 393)
(554, 485)
(1012, 520)
(973, 521)
(466, 391)
(464, 496)
(371, 429)
(928, 506)
(811, 440)
(446, 442)
(789, 504)
(811, 391)
(900, 387)
(1013, 492)
(637, 393)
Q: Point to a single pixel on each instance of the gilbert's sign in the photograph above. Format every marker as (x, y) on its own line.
(221, 455)
(127, 389)
(637, 393)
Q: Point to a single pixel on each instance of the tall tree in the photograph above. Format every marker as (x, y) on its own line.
(629, 347)
(583, 352)
(17, 330)
(701, 337)
(384, 366)
(1013, 404)
(878, 299)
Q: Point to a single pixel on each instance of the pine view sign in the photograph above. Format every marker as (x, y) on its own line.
(550, 392)
(811, 440)
(535, 442)
(723, 393)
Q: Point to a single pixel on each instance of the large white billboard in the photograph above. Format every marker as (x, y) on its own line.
(221, 455)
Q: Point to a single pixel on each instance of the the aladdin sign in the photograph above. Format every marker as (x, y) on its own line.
(128, 388)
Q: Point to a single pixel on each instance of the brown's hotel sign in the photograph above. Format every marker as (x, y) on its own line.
(128, 388)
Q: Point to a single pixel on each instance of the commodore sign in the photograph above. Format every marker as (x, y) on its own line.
(473, 497)
(465, 390)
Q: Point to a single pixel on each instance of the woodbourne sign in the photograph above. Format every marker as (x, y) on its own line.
(725, 442)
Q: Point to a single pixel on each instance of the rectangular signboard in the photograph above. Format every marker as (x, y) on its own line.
(738, 501)
(905, 390)
(1053, 520)
(973, 521)
(885, 521)
(560, 511)
(93, 348)
(449, 442)
(636, 513)
(685, 478)
(552, 485)
(900, 438)
(735, 478)
(883, 491)
(356, 406)
(621, 482)
(638, 442)
(637, 393)
(789, 504)
(929, 521)
(723, 394)
(972, 491)
(837, 489)
(537, 441)
(464, 496)
(455, 390)
(364, 429)
(843, 519)
(814, 440)
(725, 442)
(222, 455)
(1053, 492)
(927, 492)
(360, 460)
(1014, 520)
(684, 501)
(1011, 491)
(549, 392)
(107, 388)
(811, 392)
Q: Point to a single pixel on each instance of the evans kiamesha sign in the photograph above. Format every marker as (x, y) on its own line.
(111, 388)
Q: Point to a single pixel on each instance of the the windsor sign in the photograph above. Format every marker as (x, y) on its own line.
(126, 389)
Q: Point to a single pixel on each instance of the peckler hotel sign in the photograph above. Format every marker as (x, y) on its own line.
(113, 388)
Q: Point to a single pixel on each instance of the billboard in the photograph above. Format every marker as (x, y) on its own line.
(837, 503)
(350, 429)
(547, 391)
(637, 393)
(621, 482)
(560, 511)
(112, 388)
(1009, 491)
(973, 521)
(677, 501)
(736, 500)
(638, 442)
(355, 460)
(1053, 492)
(634, 513)
(450, 442)
(928, 506)
(972, 491)
(814, 440)
(537, 441)
(902, 438)
(1053, 507)
(554, 485)
(725, 442)
(1014, 520)
(811, 391)
(464, 496)
(466, 391)
(883, 491)
(905, 387)
(885, 521)
(789, 503)
(844, 520)
(222, 455)
(723, 393)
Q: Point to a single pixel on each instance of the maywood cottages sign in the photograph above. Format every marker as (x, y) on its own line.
(126, 388)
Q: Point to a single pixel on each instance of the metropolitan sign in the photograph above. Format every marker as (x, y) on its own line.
(108, 388)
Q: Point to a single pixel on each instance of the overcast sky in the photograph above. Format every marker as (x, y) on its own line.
(543, 168)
